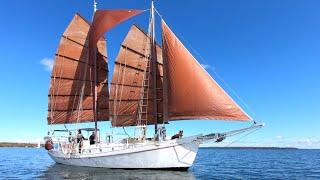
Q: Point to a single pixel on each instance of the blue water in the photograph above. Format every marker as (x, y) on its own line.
(30, 163)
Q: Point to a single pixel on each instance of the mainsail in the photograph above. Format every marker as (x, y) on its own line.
(71, 71)
(132, 69)
(191, 93)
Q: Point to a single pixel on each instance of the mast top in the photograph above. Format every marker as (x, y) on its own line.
(94, 5)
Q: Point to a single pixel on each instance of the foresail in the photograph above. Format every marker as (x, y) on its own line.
(191, 91)
(126, 86)
(72, 71)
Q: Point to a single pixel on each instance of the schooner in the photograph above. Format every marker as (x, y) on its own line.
(152, 84)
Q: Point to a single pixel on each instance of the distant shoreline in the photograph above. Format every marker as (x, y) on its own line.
(15, 144)
(282, 148)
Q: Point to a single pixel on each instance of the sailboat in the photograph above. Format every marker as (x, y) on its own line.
(152, 85)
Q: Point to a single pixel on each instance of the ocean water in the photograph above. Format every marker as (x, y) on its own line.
(32, 163)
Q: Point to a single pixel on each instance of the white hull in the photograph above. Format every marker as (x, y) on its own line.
(178, 153)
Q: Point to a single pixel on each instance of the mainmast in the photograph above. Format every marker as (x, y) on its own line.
(94, 6)
(95, 88)
(154, 69)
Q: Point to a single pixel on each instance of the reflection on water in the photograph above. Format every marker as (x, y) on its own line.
(59, 171)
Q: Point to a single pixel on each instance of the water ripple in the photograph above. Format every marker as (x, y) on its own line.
(30, 163)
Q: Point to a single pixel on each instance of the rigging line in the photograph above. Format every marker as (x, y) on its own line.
(122, 80)
(245, 135)
(82, 90)
(145, 10)
(234, 93)
(147, 70)
(157, 12)
(124, 74)
(116, 96)
(124, 129)
(73, 109)
(223, 81)
(54, 99)
(65, 127)
(148, 63)
(76, 98)
(139, 108)
(60, 75)
(51, 85)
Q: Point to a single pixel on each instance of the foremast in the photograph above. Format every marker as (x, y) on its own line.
(95, 87)
(153, 61)
(150, 74)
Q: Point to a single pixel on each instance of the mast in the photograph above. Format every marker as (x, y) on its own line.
(154, 69)
(94, 6)
(95, 90)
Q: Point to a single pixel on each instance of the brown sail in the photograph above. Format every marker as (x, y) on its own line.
(104, 20)
(191, 91)
(73, 71)
(127, 80)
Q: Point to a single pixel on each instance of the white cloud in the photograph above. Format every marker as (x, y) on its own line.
(47, 63)
(279, 137)
(309, 142)
(205, 66)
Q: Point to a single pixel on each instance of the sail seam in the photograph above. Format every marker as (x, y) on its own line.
(131, 67)
(129, 99)
(66, 78)
(136, 52)
(68, 110)
(83, 45)
(78, 60)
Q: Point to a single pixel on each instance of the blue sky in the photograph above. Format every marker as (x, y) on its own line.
(267, 51)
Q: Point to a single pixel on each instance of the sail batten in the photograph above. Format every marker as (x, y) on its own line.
(191, 91)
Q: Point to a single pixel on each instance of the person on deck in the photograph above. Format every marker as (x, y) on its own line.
(178, 135)
(164, 133)
(70, 137)
(80, 138)
(92, 138)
